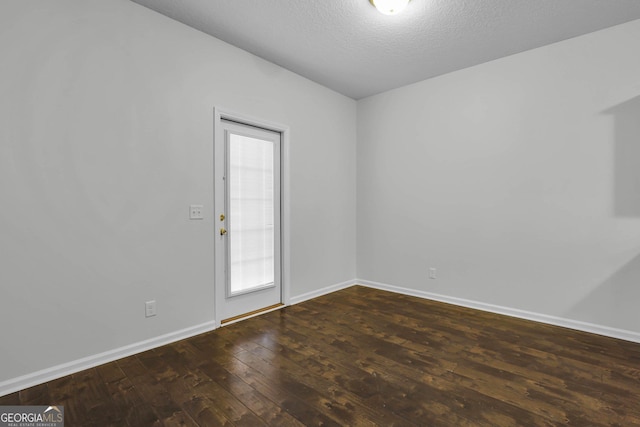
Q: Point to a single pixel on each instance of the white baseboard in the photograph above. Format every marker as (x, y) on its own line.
(513, 312)
(318, 293)
(49, 374)
(19, 383)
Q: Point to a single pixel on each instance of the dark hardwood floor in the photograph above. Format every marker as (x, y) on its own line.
(362, 357)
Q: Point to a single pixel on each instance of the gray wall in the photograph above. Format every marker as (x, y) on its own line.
(518, 179)
(106, 138)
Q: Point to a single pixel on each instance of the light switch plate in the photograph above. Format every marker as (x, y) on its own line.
(196, 212)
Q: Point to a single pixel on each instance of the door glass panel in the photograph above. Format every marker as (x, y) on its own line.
(251, 213)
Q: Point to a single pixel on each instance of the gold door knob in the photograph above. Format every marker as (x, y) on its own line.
(223, 231)
(221, 217)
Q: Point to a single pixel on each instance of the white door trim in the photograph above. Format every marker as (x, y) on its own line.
(285, 200)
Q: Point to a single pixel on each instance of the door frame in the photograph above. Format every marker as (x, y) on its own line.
(285, 229)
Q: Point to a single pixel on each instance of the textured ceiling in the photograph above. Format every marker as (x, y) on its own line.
(348, 46)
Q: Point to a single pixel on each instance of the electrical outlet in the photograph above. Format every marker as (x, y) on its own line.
(433, 273)
(196, 212)
(150, 308)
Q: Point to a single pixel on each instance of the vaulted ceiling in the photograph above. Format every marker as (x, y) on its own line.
(349, 47)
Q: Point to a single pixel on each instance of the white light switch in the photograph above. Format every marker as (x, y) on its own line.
(196, 212)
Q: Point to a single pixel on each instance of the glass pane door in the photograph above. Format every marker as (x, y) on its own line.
(248, 241)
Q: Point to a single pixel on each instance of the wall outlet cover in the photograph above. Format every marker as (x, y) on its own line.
(150, 308)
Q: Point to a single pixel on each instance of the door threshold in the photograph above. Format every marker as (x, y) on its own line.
(251, 314)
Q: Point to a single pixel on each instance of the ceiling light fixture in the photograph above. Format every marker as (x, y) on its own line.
(389, 7)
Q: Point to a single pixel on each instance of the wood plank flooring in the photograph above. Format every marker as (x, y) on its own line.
(362, 357)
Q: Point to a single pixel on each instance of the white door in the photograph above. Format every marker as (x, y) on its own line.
(247, 234)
